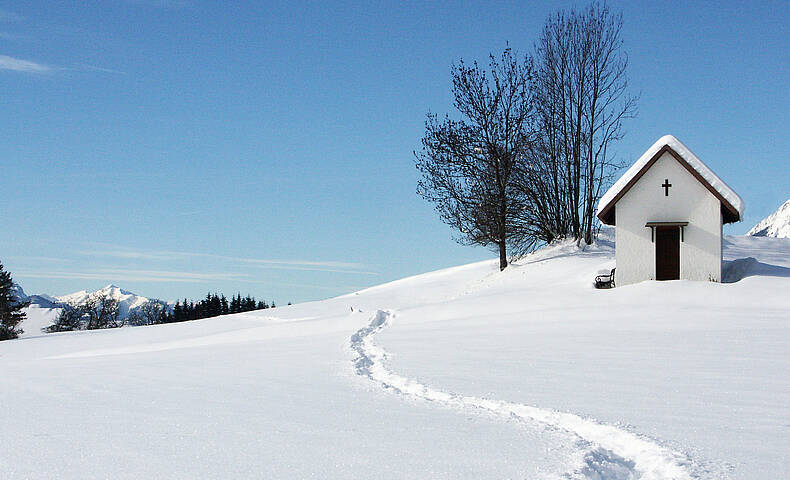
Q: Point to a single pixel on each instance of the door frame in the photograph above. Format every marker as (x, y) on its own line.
(678, 235)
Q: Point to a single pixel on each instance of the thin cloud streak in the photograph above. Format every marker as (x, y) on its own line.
(167, 4)
(19, 65)
(305, 265)
(154, 276)
(80, 67)
(136, 276)
(37, 258)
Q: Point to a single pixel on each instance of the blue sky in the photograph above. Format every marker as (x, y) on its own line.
(176, 147)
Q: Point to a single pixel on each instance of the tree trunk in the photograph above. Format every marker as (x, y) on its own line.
(502, 255)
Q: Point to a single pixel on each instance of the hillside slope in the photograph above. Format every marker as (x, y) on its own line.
(461, 373)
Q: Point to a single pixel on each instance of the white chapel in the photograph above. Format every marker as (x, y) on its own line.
(668, 210)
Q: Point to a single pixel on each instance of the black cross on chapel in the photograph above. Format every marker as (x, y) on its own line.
(666, 186)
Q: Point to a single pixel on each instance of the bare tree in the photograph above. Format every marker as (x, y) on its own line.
(135, 318)
(151, 312)
(102, 312)
(70, 318)
(581, 99)
(468, 166)
(528, 162)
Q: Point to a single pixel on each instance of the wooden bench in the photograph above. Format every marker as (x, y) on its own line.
(605, 281)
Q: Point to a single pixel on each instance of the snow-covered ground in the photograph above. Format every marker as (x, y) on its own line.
(37, 319)
(461, 373)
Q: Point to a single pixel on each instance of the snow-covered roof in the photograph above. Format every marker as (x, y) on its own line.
(730, 200)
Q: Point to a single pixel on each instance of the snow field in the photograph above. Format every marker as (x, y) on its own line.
(495, 375)
(609, 452)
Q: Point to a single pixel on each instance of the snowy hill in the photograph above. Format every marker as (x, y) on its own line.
(466, 372)
(38, 318)
(775, 225)
(39, 314)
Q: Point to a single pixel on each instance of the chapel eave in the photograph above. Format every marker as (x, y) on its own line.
(608, 216)
(607, 205)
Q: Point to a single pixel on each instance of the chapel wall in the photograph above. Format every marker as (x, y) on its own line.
(688, 200)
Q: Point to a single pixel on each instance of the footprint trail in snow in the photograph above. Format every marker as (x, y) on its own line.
(609, 452)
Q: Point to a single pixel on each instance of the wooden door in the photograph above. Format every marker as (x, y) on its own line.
(667, 253)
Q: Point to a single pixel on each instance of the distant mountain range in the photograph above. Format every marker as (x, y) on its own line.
(44, 309)
(775, 225)
(42, 301)
(127, 301)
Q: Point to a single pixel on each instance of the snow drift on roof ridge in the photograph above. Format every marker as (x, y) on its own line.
(693, 161)
(776, 224)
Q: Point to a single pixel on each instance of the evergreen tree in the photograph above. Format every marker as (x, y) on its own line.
(212, 305)
(235, 304)
(177, 312)
(216, 306)
(245, 304)
(10, 307)
(224, 308)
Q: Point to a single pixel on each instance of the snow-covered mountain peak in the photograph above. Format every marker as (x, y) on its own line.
(73, 298)
(114, 291)
(16, 289)
(775, 225)
(127, 300)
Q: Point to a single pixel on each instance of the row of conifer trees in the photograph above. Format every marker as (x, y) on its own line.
(213, 306)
